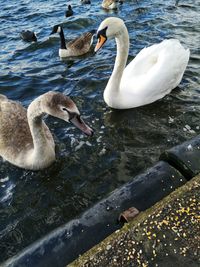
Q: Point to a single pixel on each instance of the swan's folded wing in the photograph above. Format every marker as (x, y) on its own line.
(166, 57)
(155, 71)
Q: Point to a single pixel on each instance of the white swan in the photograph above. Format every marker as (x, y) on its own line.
(25, 140)
(152, 74)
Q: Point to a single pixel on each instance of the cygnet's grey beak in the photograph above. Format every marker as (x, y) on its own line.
(80, 124)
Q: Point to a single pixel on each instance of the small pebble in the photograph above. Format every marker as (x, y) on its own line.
(108, 247)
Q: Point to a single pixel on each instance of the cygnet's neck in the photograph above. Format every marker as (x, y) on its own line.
(41, 145)
(122, 41)
(34, 115)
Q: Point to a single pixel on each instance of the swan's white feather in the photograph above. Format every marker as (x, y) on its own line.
(155, 71)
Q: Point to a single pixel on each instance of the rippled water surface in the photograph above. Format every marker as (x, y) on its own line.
(125, 142)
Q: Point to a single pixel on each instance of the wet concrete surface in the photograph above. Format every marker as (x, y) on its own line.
(166, 235)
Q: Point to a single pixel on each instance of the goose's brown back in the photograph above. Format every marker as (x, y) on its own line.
(81, 44)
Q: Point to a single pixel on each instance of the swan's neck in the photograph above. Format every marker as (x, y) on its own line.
(42, 148)
(122, 41)
(62, 39)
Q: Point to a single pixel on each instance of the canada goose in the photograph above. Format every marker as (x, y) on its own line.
(77, 47)
(25, 139)
(110, 4)
(28, 36)
(69, 12)
(152, 74)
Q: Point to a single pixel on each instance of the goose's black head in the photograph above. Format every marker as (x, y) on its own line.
(56, 29)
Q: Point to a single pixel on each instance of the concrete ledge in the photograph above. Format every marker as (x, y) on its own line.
(167, 234)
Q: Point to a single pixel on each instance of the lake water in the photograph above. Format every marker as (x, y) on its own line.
(125, 142)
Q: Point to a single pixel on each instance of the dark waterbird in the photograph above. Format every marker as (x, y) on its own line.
(85, 2)
(69, 12)
(28, 36)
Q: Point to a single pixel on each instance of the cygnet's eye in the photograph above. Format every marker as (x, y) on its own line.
(64, 109)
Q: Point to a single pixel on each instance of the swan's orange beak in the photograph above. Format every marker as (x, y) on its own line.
(101, 41)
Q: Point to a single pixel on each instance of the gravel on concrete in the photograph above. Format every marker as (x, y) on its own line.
(166, 235)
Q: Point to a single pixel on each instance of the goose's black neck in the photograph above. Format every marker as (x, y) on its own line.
(62, 38)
